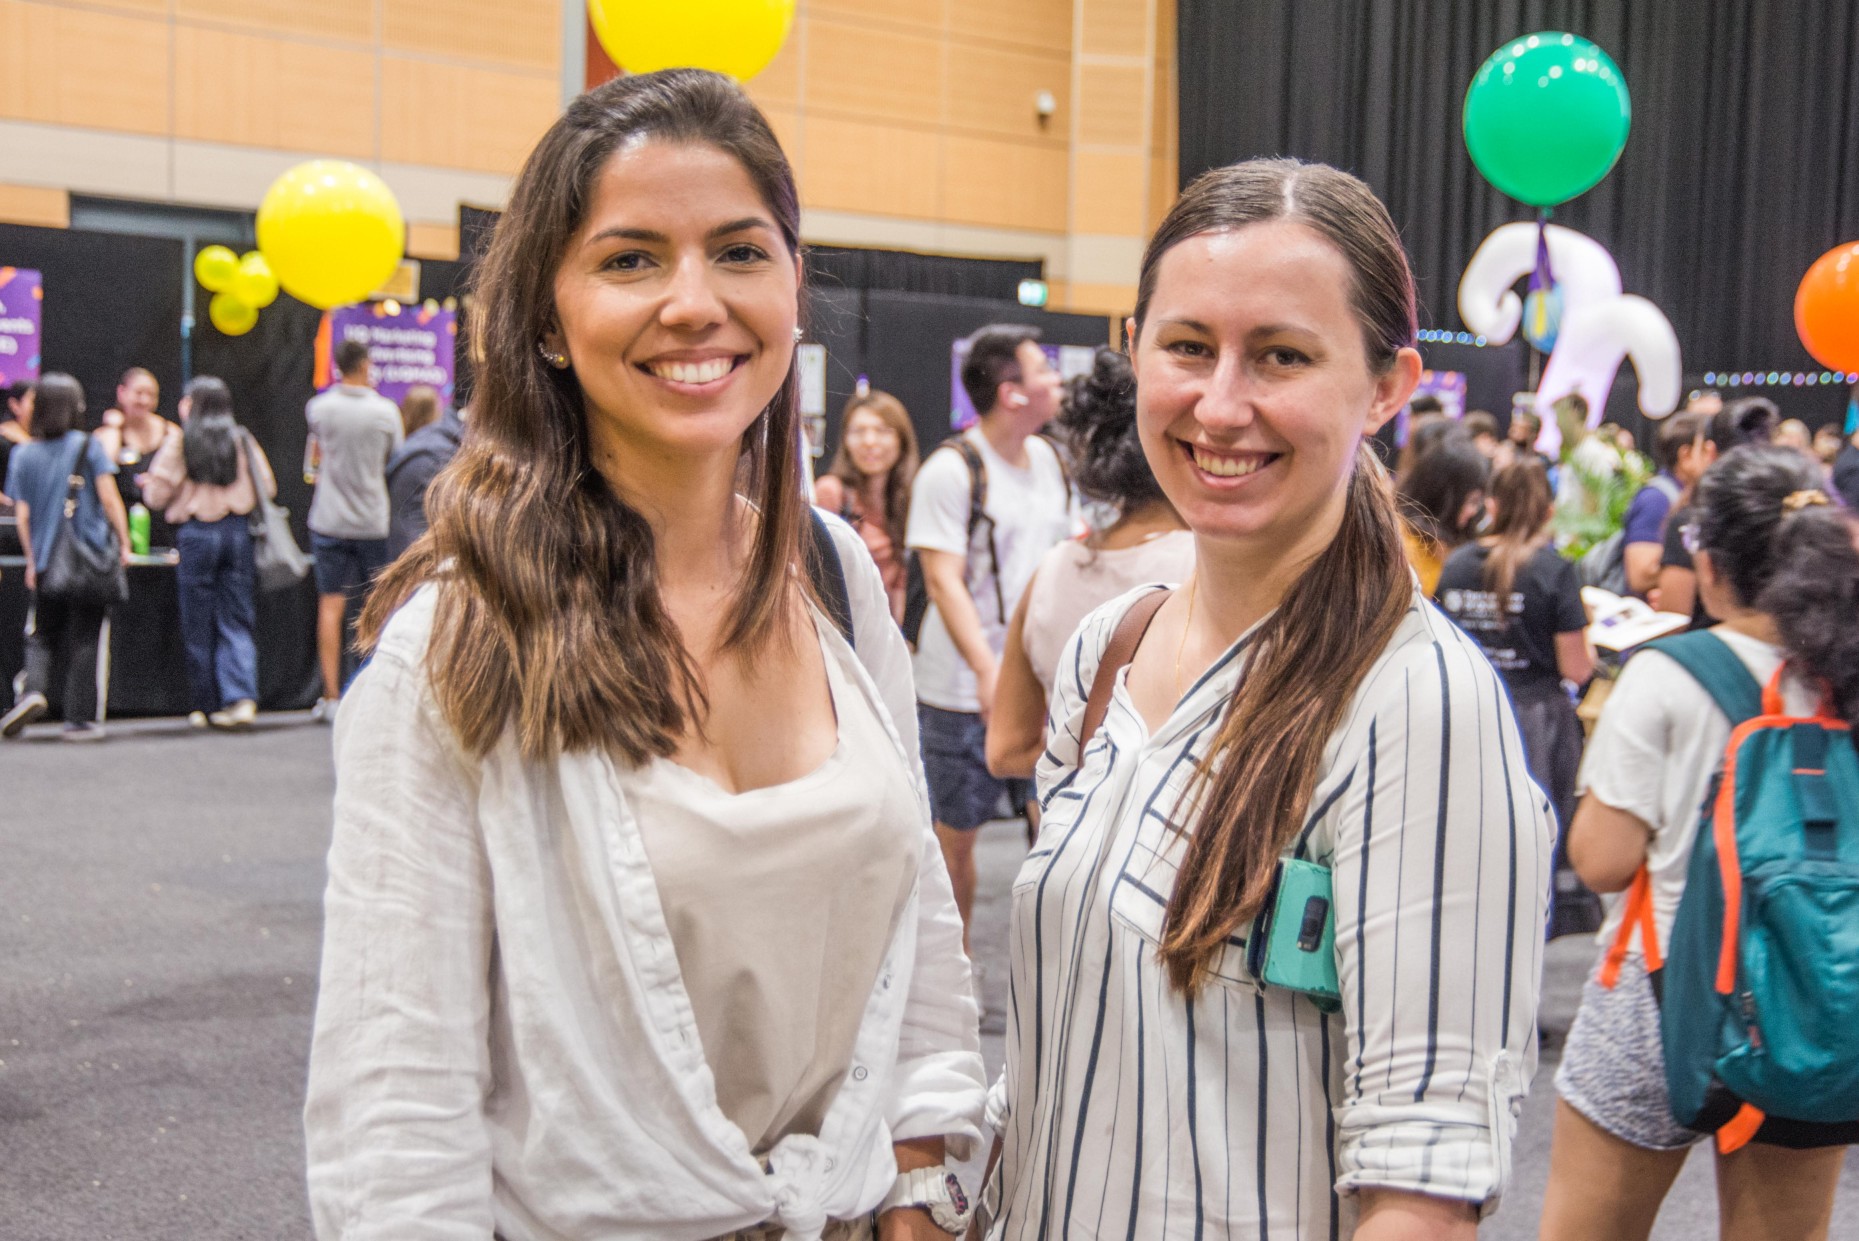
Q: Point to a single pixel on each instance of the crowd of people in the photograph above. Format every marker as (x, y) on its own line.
(1308, 787)
(138, 483)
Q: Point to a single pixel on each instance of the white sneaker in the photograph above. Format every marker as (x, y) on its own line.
(83, 732)
(239, 715)
(324, 712)
(29, 708)
(196, 719)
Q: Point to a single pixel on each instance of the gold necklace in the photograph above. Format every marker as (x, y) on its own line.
(1185, 626)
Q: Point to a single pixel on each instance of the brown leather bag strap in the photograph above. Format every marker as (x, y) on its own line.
(1124, 640)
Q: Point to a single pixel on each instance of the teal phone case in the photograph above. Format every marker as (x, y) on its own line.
(1300, 934)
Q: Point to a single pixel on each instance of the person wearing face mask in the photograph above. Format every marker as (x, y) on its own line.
(986, 507)
(869, 481)
(636, 926)
(1293, 731)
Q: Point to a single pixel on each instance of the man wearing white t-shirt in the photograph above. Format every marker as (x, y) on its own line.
(976, 574)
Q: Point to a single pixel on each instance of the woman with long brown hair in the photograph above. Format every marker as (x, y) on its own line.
(636, 925)
(1297, 734)
(1521, 602)
(868, 483)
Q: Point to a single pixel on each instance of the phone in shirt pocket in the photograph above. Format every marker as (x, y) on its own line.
(1293, 941)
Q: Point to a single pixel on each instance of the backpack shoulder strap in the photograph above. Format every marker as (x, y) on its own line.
(1121, 648)
(828, 574)
(977, 479)
(1712, 664)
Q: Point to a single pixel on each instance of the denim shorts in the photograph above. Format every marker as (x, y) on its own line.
(962, 793)
(346, 566)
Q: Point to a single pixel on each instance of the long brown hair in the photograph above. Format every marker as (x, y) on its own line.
(891, 412)
(549, 614)
(1523, 505)
(1253, 789)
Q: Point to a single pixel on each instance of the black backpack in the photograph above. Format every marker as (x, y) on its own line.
(828, 575)
(916, 590)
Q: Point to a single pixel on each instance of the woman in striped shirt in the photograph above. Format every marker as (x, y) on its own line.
(1297, 699)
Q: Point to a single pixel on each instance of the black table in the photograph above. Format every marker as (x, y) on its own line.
(148, 669)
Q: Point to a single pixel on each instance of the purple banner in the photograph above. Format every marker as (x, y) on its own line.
(22, 294)
(413, 346)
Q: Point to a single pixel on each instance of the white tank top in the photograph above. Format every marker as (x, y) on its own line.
(1073, 581)
(781, 902)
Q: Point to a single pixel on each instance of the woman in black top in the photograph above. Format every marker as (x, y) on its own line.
(1521, 602)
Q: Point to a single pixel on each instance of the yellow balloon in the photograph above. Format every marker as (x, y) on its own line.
(215, 267)
(737, 37)
(230, 315)
(331, 232)
(255, 285)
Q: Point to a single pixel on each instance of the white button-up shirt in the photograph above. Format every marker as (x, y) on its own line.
(503, 1039)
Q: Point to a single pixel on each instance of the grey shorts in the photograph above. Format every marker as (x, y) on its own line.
(1613, 1065)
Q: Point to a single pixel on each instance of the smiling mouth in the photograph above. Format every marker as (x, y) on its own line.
(708, 371)
(1228, 465)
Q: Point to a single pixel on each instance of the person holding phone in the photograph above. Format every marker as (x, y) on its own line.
(1276, 949)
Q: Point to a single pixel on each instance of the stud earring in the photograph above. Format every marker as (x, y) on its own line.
(558, 360)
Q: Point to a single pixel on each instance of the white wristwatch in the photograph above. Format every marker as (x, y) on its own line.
(935, 1190)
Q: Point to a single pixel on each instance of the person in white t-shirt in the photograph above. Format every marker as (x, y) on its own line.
(1779, 562)
(975, 576)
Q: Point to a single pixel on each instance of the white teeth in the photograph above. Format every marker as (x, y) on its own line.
(1227, 467)
(692, 372)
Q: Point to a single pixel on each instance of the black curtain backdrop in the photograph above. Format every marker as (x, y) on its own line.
(839, 267)
(1742, 166)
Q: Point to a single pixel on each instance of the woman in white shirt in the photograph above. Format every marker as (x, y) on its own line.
(636, 926)
(1297, 699)
(1778, 559)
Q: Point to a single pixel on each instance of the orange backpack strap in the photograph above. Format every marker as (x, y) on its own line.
(1637, 915)
(1739, 1129)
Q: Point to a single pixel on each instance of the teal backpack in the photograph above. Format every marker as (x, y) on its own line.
(1759, 987)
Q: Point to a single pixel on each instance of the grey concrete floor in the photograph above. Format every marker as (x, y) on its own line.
(159, 932)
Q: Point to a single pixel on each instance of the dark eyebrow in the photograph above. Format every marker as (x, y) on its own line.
(1193, 325)
(647, 235)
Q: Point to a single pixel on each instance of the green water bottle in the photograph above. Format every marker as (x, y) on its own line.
(138, 529)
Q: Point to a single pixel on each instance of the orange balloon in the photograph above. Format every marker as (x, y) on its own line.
(1826, 308)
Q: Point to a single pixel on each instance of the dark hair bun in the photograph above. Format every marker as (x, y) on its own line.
(1099, 426)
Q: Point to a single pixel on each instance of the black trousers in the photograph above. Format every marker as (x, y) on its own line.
(61, 634)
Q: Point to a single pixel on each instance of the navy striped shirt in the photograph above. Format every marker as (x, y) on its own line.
(1128, 1110)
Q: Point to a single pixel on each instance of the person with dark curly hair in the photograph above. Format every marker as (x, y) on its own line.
(1141, 540)
(1778, 559)
(1442, 500)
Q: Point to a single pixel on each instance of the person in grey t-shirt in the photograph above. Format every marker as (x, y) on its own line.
(356, 430)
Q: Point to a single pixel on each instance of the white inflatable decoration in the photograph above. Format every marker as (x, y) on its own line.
(1600, 326)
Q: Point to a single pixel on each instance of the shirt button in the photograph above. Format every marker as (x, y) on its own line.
(860, 1073)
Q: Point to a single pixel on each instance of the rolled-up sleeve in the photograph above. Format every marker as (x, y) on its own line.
(1441, 872)
(399, 1066)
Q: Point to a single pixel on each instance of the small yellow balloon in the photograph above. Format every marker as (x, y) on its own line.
(255, 285)
(737, 37)
(230, 315)
(331, 232)
(216, 267)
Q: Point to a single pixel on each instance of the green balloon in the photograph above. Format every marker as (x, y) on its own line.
(1546, 117)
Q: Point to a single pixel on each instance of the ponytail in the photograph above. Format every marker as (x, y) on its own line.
(1253, 790)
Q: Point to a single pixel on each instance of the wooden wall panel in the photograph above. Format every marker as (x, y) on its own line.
(786, 123)
(992, 90)
(859, 166)
(78, 67)
(256, 91)
(1116, 300)
(779, 83)
(432, 241)
(1006, 184)
(1114, 27)
(325, 19)
(1037, 23)
(519, 33)
(1162, 191)
(855, 71)
(1110, 105)
(34, 204)
(460, 117)
(926, 14)
(151, 8)
(1110, 193)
